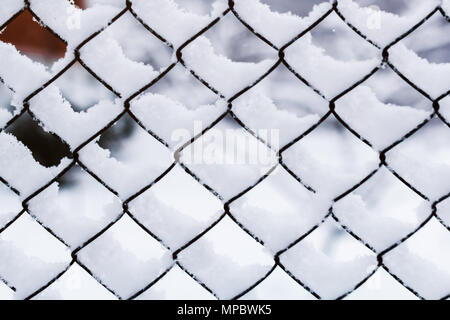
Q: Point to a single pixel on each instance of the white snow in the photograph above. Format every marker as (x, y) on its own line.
(380, 123)
(323, 72)
(176, 285)
(18, 167)
(125, 258)
(6, 109)
(223, 74)
(290, 109)
(11, 205)
(423, 269)
(331, 160)
(390, 88)
(174, 23)
(13, 67)
(427, 40)
(228, 170)
(278, 286)
(381, 26)
(329, 261)
(446, 6)
(177, 208)
(226, 259)
(106, 58)
(34, 256)
(278, 28)
(433, 78)
(424, 159)
(58, 116)
(279, 210)
(382, 210)
(75, 284)
(116, 3)
(76, 213)
(141, 159)
(445, 108)
(81, 89)
(5, 292)
(167, 117)
(381, 286)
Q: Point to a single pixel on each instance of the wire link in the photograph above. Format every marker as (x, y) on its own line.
(229, 112)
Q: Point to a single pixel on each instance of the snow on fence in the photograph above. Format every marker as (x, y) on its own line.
(352, 203)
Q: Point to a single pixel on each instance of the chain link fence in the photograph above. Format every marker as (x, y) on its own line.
(178, 50)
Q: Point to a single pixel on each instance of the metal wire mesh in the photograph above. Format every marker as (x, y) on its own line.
(179, 61)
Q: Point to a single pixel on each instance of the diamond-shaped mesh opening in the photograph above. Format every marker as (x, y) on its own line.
(126, 157)
(267, 107)
(434, 262)
(145, 258)
(151, 51)
(81, 89)
(430, 156)
(76, 99)
(417, 58)
(177, 208)
(319, 63)
(331, 159)
(177, 107)
(382, 203)
(228, 158)
(268, 212)
(374, 105)
(32, 259)
(340, 42)
(382, 22)
(76, 207)
(329, 261)
(236, 56)
(216, 260)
